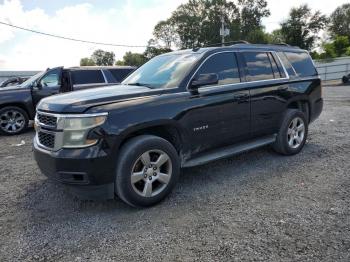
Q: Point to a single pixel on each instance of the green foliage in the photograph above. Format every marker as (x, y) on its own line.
(347, 53)
(198, 22)
(302, 27)
(165, 32)
(338, 47)
(87, 62)
(152, 51)
(103, 58)
(341, 43)
(132, 59)
(340, 21)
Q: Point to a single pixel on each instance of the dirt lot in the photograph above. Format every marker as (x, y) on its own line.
(256, 206)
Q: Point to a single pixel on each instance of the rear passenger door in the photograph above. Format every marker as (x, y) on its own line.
(221, 115)
(268, 84)
(84, 79)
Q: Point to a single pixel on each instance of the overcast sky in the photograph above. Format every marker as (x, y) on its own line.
(118, 21)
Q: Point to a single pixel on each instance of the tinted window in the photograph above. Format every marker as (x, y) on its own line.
(302, 64)
(275, 69)
(224, 65)
(287, 64)
(80, 77)
(52, 78)
(120, 74)
(259, 66)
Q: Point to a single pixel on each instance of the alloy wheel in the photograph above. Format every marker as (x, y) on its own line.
(151, 173)
(296, 132)
(12, 121)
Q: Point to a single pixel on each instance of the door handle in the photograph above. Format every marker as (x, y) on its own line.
(282, 88)
(240, 98)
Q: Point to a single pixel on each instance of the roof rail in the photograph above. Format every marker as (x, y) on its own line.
(281, 43)
(195, 49)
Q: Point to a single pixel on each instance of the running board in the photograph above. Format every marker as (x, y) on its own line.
(229, 151)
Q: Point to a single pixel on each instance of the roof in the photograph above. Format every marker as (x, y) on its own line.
(100, 67)
(241, 46)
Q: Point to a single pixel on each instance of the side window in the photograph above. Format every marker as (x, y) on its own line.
(120, 74)
(258, 65)
(51, 79)
(302, 63)
(224, 65)
(81, 77)
(287, 64)
(275, 69)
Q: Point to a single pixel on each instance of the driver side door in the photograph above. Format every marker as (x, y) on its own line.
(49, 84)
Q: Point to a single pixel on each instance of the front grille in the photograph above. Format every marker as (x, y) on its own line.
(47, 120)
(47, 139)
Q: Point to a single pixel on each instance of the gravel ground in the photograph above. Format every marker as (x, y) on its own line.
(255, 206)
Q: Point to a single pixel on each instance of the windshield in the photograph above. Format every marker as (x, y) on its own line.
(32, 79)
(166, 71)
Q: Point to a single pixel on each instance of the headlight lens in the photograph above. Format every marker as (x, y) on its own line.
(76, 130)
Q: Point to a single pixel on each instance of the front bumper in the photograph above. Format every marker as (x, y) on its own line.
(89, 172)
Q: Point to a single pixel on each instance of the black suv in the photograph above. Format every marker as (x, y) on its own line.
(180, 109)
(17, 103)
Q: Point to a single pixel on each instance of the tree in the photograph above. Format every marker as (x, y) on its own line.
(302, 27)
(103, 58)
(340, 21)
(165, 32)
(132, 59)
(87, 62)
(198, 22)
(251, 14)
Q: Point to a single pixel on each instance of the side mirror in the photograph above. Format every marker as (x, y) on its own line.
(203, 80)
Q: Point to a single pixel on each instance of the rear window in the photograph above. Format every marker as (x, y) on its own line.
(259, 66)
(302, 64)
(82, 77)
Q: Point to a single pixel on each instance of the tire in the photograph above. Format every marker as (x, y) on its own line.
(293, 132)
(13, 120)
(139, 156)
(345, 79)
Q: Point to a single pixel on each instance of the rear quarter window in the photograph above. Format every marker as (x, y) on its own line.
(259, 66)
(302, 63)
(83, 77)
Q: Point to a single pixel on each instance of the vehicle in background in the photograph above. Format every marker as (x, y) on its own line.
(346, 79)
(17, 103)
(180, 109)
(13, 81)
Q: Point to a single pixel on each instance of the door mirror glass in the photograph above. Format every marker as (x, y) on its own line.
(204, 80)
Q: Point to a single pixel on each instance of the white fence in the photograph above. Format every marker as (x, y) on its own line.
(333, 69)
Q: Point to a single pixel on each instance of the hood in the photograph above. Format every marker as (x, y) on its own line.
(80, 101)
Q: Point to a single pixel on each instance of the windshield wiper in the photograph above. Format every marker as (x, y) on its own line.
(140, 84)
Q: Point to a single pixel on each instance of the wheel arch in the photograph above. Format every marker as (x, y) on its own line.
(166, 130)
(20, 105)
(302, 105)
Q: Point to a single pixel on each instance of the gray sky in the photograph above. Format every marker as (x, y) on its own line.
(112, 21)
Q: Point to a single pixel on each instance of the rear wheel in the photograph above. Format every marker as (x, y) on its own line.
(345, 79)
(147, 170)
(292, 135)
(13, 120)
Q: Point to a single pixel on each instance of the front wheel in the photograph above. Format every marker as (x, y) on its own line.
(293, 132)
(13, 120)
(148, 168)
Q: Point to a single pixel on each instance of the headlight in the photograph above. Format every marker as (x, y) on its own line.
(76, 129)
